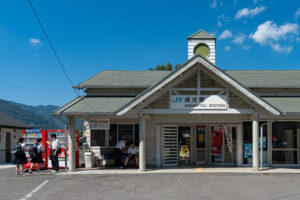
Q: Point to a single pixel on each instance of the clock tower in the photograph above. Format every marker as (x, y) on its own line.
(204, 44)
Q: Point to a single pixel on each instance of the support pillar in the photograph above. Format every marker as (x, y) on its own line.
(255, 138)
(71, 141)
(142, 145)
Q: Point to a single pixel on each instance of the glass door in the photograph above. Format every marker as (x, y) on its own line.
(184, 145)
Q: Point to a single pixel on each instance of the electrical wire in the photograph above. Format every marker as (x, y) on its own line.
(50, 43)
(54, 51)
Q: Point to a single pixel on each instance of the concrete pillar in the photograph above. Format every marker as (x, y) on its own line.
(255, 138)
(142, 145)
(71, 141)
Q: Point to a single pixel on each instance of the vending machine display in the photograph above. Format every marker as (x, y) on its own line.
(30, 136)
(61, 135)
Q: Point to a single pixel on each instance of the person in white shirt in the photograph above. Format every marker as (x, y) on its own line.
(55, 150)
(120, 148)
(38, 155)
(133, 153)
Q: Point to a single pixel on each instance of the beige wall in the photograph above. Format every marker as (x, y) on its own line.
(14, 136)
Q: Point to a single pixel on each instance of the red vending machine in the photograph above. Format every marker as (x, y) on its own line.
(61, 135)
(30, 136)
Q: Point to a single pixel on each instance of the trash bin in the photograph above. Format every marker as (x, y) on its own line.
(89, 159)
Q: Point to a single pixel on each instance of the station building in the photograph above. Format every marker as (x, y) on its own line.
(196, 114)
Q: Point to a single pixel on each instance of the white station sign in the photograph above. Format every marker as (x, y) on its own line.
(199, 102)
(99, 124)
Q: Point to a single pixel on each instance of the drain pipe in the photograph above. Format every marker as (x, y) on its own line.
(261, 145)
(66, 141)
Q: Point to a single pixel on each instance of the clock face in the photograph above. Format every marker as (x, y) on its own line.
(202, 49)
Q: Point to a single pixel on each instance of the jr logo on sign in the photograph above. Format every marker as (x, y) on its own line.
(177, 100)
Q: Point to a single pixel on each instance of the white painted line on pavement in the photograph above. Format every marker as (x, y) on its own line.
(34, 191)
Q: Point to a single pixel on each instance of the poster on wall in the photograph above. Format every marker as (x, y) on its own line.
(99, 124)
(201, 136)
(247, 150)
(216, 145)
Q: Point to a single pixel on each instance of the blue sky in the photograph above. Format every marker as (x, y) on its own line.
(91, 36)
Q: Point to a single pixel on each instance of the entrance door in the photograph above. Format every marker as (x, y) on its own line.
(170, 145)
(7, 148)
(184, 145)
(223, 145)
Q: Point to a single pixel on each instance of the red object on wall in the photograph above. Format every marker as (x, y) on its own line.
(216, 141)
(30, 136)
(61, 136)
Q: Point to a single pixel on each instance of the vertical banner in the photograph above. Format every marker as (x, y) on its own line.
(216, 144)
(228, 135)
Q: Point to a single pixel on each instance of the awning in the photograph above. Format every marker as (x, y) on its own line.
(285, 104)
(93, 105)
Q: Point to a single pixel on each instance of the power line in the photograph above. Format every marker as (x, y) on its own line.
(50, 43)
(54, 51)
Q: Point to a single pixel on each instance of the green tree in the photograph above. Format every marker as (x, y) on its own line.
(167, 67)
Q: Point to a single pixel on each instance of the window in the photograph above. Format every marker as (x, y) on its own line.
(136, 134)
(0, 137)
(97, 137)
(113, 132)
(116, 133)
(247, 141)
(286, 143)
(125, 131)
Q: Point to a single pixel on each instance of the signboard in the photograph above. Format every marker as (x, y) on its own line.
(228, 135)
(216, 145)
(201, 102)
(99, 124)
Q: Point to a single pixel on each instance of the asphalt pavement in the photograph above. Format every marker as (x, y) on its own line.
(206, 186)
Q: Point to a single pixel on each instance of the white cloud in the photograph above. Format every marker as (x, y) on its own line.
(227, 48)
(269, 31)
(214, 4)
(246, 47)
(297, 14)
(35, 41)
(222, 18)
(225, 34)
(246, 12)
(239, 39)
(278, 48)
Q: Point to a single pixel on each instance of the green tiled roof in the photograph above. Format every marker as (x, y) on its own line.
(144, 79)
(201, 35)
(111, 79)
(104, 105)
(267, 78)
(285, 104)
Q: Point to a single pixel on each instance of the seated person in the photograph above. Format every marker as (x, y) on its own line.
(133, 153)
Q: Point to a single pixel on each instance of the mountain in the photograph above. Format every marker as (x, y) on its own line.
(35, 116)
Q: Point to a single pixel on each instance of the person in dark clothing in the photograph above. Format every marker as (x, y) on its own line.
(38, 155)
(120, 148)
(20, 156)
(55, 150)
